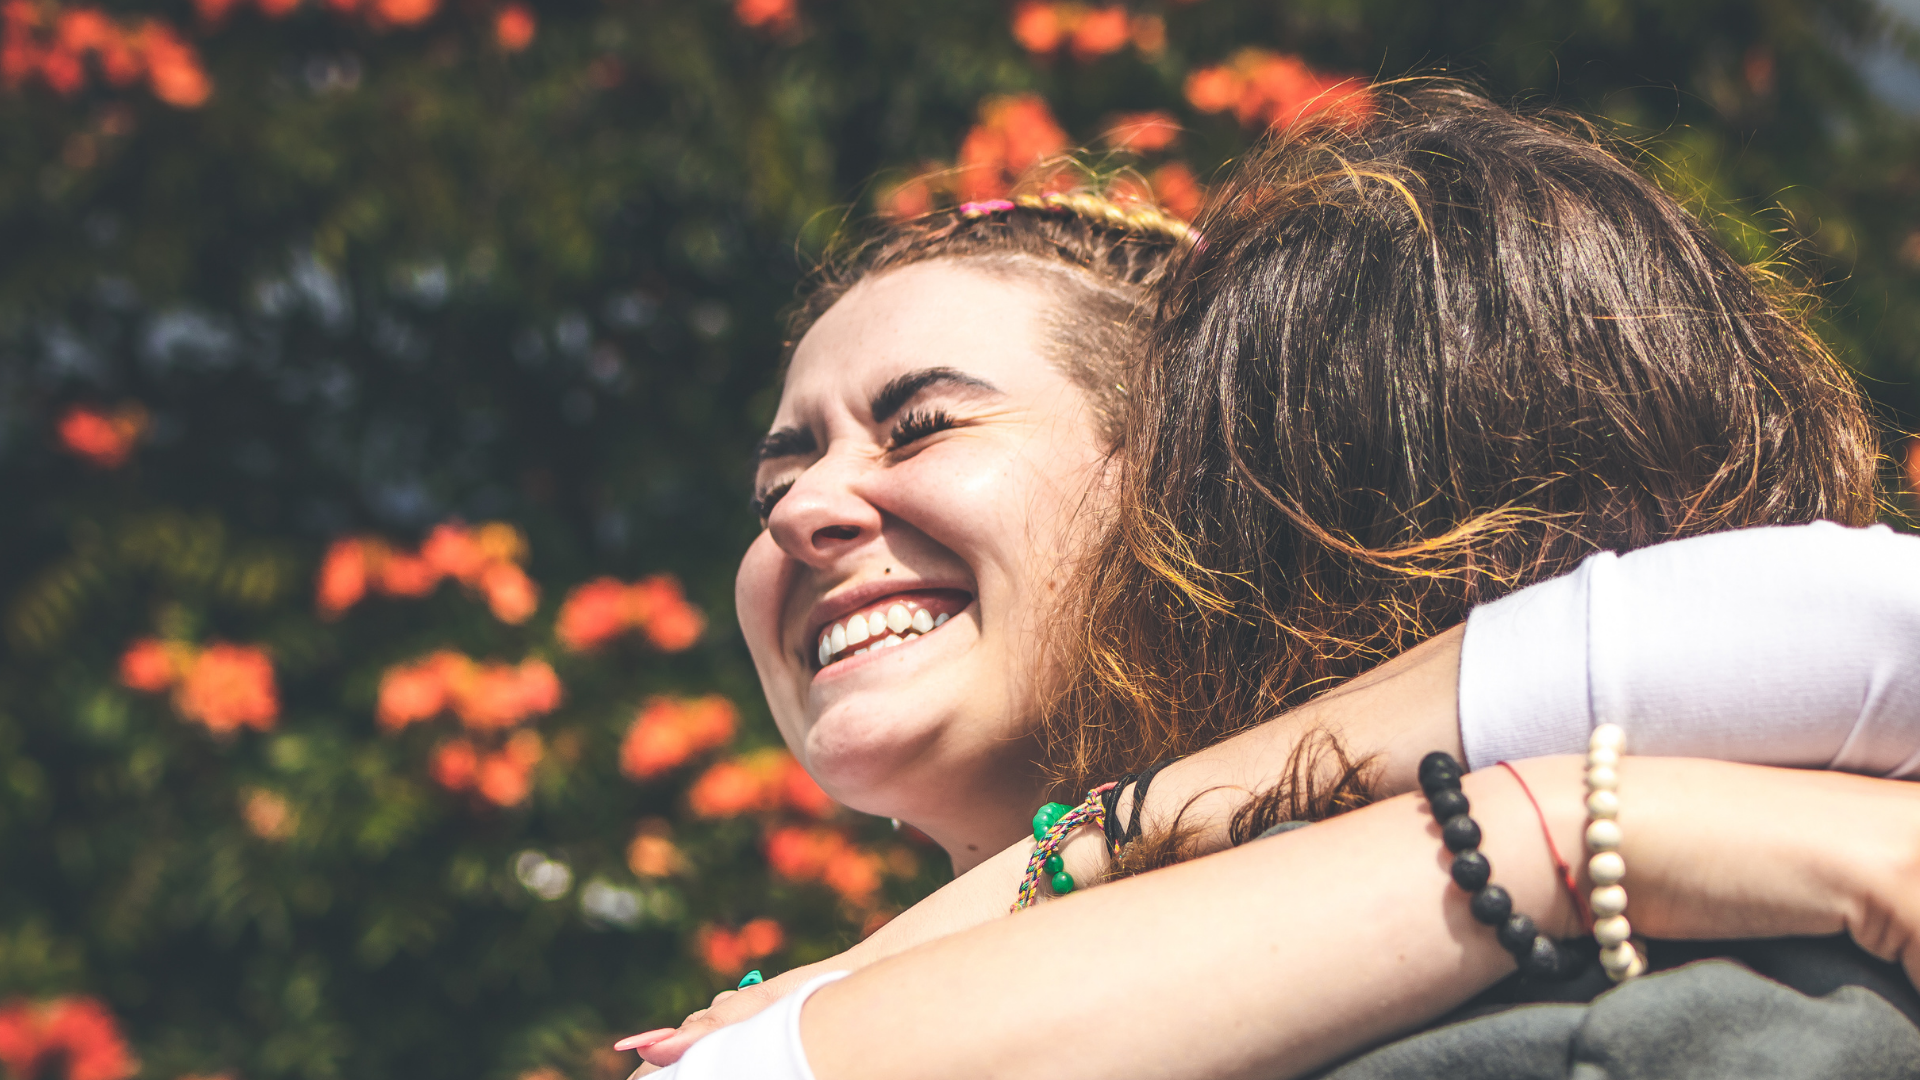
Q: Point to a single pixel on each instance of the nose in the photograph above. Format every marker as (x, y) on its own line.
(822, 516)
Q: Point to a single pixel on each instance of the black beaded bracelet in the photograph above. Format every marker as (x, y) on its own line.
(1541, 958)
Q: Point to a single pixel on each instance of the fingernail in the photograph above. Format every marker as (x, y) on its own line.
(644, 1039)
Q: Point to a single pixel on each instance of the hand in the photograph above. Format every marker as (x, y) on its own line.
(1744, 852)
(729, 1007)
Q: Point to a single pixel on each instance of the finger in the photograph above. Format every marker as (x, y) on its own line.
(645, 1038)
(721, 996)
(643, 1070)
(669, 1050)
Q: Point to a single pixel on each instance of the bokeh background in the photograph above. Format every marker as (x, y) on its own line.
(377, 379)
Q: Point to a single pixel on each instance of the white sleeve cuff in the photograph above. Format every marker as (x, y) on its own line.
(1523, 672)
(765, 1046)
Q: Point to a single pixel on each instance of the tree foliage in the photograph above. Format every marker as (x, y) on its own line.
(374, 374)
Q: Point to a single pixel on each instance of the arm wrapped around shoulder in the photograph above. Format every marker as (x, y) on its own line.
(1788, 645)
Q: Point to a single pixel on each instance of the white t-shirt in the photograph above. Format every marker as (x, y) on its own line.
(1791, 645)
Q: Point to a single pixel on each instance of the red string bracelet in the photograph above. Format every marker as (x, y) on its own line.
(1553, 849)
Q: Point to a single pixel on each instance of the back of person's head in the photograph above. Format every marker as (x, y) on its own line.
(1417, 363)
(1098, 256)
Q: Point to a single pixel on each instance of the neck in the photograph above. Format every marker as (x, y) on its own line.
(975, 821)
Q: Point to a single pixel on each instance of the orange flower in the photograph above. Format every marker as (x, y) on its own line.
(666, 732)
(104, 440)
(1213, 89)
(660, 607)
(652, 855)
(499, 695)
(798, 853)
(1265, 88)
(173, 67)
(799, 791)
(82, 29)
(77, 1031)
(152, 665)
(776, 16)
(343, 577)
(726, 790)
(407, 575)
(454, 764)
(855, 875)
(405, 12)
(1036, 26)
(762, 937)
(727, 953)
(513, 28)
(413, 692)
(593, 614)
(908, 200)
(1102, 31)
(721, 950)
(511, 594)
(1014, 134)
(675, 627)
(655, 744)
(1150, 34)
(1176, 189)
(1143, 133)
(602, 609)
(227, 687)
(501, 781)
(454, 551)
(709, 721)
(268, 816)
(1911, 465)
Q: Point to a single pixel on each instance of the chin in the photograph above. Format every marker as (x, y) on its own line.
(878, 765)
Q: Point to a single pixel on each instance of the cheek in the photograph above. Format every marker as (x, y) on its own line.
(759, 592)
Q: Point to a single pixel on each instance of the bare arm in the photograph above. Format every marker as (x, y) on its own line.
(1291, 953)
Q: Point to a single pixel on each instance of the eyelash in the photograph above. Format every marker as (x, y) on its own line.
(917, 425)
(913, 427)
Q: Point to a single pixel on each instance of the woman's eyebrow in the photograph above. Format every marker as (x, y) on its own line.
(902, 389)
(784, 442)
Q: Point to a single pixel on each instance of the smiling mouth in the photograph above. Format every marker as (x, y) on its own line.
(887, 624)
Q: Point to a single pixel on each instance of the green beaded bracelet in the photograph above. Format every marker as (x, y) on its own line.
(1045, 818)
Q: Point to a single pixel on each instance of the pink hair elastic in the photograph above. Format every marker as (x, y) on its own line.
(985, 207)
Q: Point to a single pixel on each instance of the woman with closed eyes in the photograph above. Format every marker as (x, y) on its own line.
(939, 457)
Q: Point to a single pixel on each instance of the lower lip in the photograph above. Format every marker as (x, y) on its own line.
(872, 655)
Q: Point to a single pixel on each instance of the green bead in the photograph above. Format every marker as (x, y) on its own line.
(1045, 817)
(1054, 864)
(1062, 883)
(752, 978)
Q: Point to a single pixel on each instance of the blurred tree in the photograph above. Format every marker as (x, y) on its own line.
(302, 776)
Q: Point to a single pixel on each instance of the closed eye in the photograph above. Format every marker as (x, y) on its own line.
(917, 424)
(761, 502)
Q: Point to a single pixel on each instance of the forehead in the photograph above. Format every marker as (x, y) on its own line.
(977, 318)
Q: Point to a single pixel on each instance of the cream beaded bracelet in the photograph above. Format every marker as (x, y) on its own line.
(1619, 954)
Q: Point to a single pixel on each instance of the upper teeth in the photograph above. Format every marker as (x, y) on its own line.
(895, 624)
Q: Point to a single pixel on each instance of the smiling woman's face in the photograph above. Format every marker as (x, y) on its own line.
(920, 486)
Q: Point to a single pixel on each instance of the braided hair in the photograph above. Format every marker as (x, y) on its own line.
(1100, 256)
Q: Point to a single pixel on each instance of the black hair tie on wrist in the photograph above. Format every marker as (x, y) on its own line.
(1117, 836)
(1541, 958)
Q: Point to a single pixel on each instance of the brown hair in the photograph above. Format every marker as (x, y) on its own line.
(1101, 256)
(1418, 363)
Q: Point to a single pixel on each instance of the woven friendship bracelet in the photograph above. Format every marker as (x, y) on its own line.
(1052, 824)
